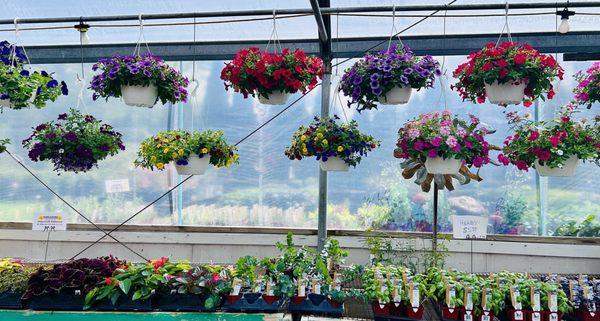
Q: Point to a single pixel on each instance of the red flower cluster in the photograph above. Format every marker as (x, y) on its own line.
(159, 263)
(261, 73)
(507, 63)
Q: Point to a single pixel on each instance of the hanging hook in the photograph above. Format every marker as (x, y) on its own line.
(394, 29)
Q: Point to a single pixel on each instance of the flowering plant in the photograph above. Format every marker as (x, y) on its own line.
(440, 134)
(138, 70)
(550, 143)
(587, 91)
(178, 145)
(75, 142)
(507, 63)
(138, 281)
(376, 74)
(20, 88)
(259, 73)
(326, 138)
(208, 281)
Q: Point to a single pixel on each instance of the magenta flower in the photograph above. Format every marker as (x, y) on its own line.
(436, 141)
(432, 153)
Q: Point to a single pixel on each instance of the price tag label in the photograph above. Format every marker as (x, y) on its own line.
(469, 227)
(536, 316)
(117, 185)
(468, 316)
(237, 286)
(553, 316)
(49, 223)
(485, 318)
(519, 315)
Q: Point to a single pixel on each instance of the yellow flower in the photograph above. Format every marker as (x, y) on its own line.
(160, 165)
(174, 155)
(319, 135)
(166, 150)
(340, 149)
(159, 145)
(180, 152)
(153, 159)
(204, 150)
(304, 151)
(303, 137)
(324, 141)
(236, 156)
(229, 161)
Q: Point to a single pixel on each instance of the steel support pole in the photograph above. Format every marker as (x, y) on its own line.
(541, 183)
(435, 223)
(325, 50)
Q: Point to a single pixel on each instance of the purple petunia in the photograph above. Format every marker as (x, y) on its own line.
(71, 136)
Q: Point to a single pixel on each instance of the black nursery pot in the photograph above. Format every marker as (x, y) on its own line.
(124, 303)
(317, 304)
(10, 300)
(179, 302)
(57, 302)
(252, 303)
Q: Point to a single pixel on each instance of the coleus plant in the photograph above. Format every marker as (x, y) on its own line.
(14, 276)
(20, 87)
(587, 91)
(78, 275)
(138, 281)
(376, 74)
(75, 142)
(511, 63)
(325, 138)
(260, 73)
(207, 281)
(550, 143)
(138, 70)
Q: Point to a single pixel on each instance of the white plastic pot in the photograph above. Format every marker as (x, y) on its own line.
(439, 165)
(276, 98)
(568, 168)
(8, 104)
(195, 166)
(505, 94)
(396, 96)
(139, 96)
(334, 164)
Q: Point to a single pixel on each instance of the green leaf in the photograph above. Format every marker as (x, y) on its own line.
(137, 295)
(125, 285)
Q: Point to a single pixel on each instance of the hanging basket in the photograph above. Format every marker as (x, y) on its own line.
(439, 165)
(396, 96)
(196, 165)
(334, 164)
(505, 94)
(275, 98)
(568, 168)
(139, 96)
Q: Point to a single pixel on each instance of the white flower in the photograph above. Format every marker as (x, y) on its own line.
(559, 152)
(60, 151)
(560, 165)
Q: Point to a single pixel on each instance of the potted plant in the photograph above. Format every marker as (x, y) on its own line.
(197, 288)
(510, 73)
(75, 142)
(14, 277)
(336, 146)
(553, 147)
(22, 88)
(141, 80)
(272, 77)
(64, 286)
(587, 91)
(190, 152)
(387, 77)
(443, 143)
(132, 286)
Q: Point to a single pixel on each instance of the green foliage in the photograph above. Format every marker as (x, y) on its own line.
(208, 281)
(178, 145)
(588, 227)
(25, 88)
(3, 143)
(14, 276)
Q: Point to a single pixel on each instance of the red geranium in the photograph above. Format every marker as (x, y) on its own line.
(259, 73)
(507, 63)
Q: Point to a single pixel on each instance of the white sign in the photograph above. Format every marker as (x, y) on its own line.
(117, 185)
(49, 223)
(469, 227)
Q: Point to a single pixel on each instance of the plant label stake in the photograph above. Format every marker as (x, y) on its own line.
(237, 286)
(553, 306)
(450, 295)
(415, 296)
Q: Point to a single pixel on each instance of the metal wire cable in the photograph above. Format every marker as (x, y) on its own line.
(69, 204)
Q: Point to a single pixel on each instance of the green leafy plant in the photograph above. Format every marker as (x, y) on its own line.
(207, 281)
(3, 143)
(138, 281)
(588, 227)
(179, 145)
(14, 276)
(325, 138)
(20, 88)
